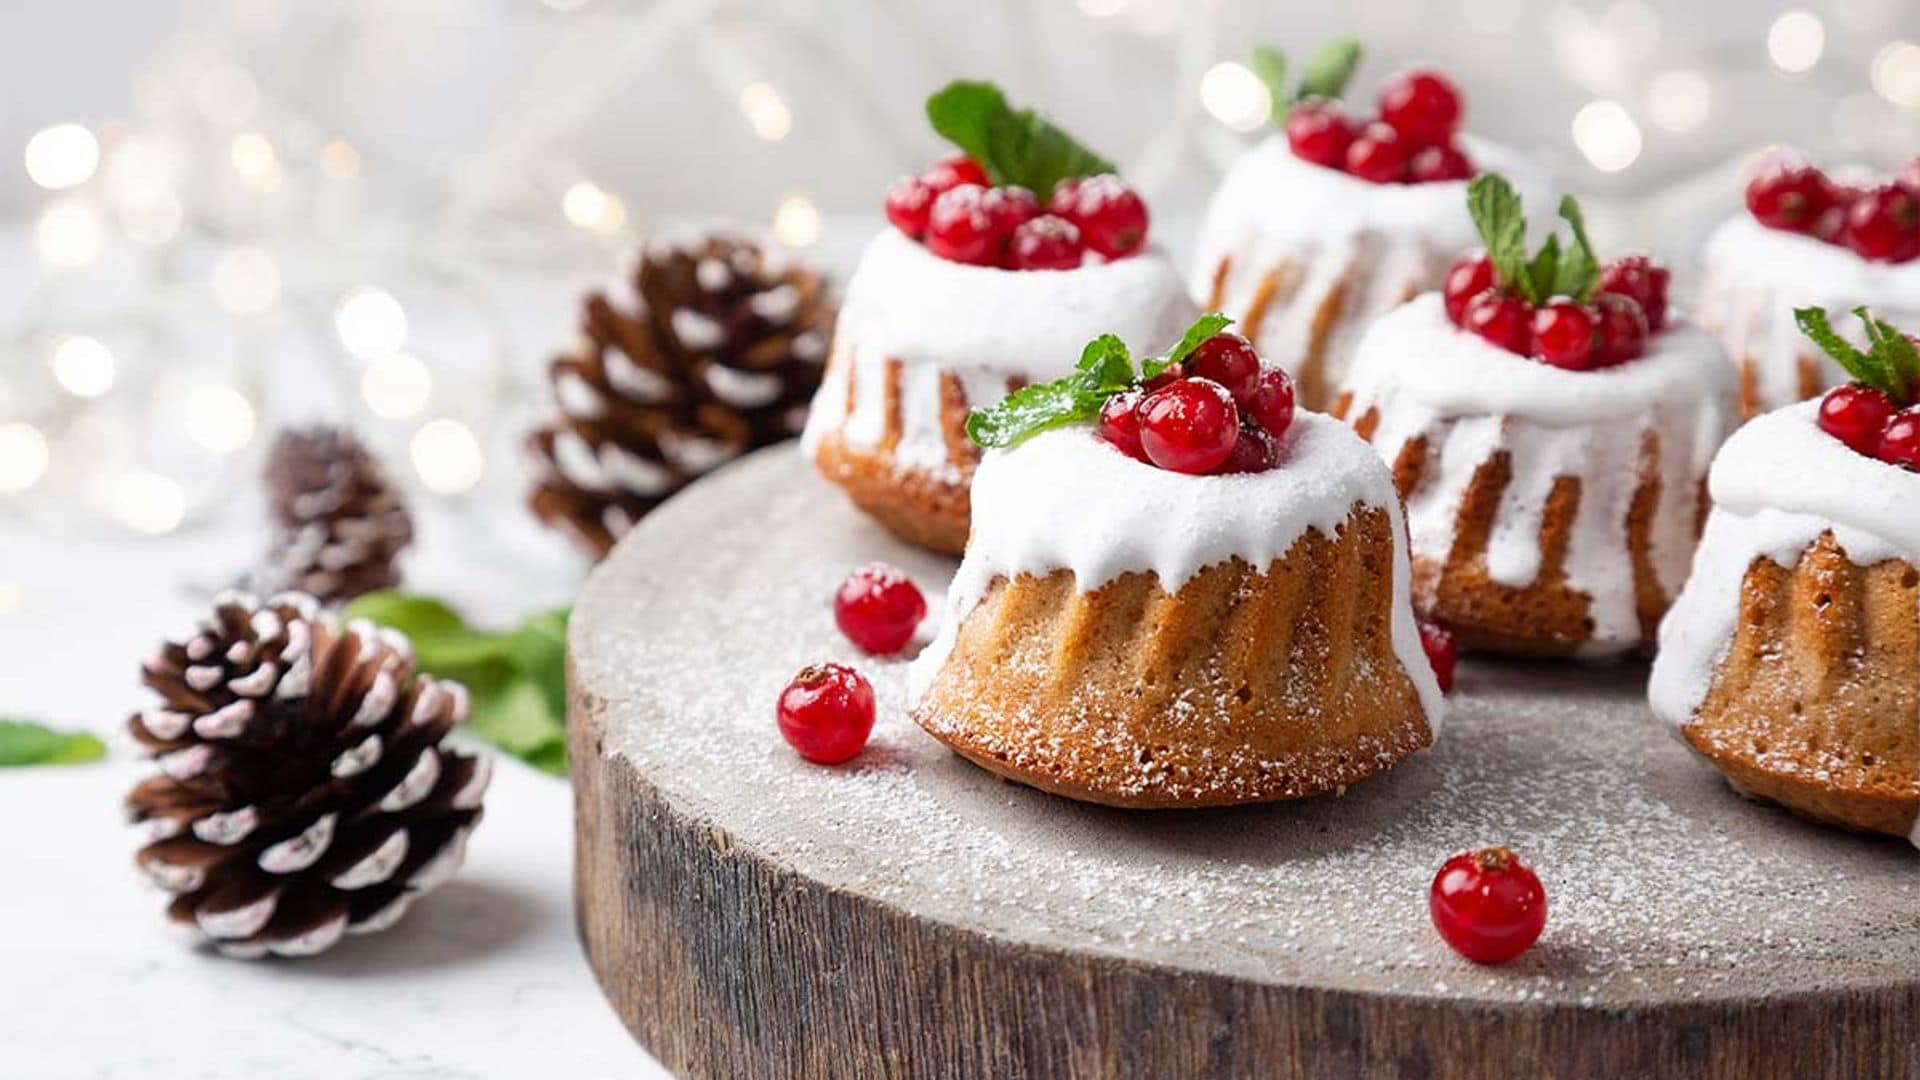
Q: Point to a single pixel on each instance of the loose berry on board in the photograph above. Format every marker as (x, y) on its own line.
(959, 230)
(1443, 654)
(1120, 423)
(1047, 242)
(1563, 334)
(1271, 404)
(1422, 105)
(1228, 359)
(1189, 426)
(1501, 318)
(1856, 415)
(1900, 440)
(1379, 155)
(945, 175)
(1469, 276)
(1318, 131)
(826, 713)
(1487, 905)
(878, 608)
(909, 201)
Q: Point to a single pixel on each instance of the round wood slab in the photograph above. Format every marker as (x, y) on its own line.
(750, 915)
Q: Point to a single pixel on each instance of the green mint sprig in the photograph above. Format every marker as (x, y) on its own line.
(1890, 364)
(23, 742)
(1325, 74)
(1569, 270)
(1106, 368)
(1014, 146)
(517, 679)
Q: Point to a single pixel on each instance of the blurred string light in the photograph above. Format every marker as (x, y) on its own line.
(255, 161)
(370, 323)
(339, 160)
(593, 208)
(796, 221)
(62, 156)
(13, 597)
(396, 386)
(219, 418)
(83, 366)
(1679, 101)
(1235, 96)
(1795, 41)
(245, 281)
(766, 111)
(1606, 135)
(151, 217)
(141, 500)
(226, 95)
(23, 456)
(447, 456)
(1896, 73)
(68, 234)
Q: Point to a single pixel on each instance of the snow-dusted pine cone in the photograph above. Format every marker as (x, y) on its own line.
(717, 352)
(339, 526)
(303, 789)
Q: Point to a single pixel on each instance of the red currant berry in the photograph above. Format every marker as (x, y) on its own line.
(959, 229)
(1112, 217)
(1469, 276)
(1622, 330)
(1504, 320)
(1422, 105)
(1319, 132)
(1442, 653)
(1563, 335)
(1637, 278)
(1883, 224)
(1487, 905)
(1379, 155)
(1045, 243)
(1009, 207)
(1228, 359)
(1272, 400)
(1788, 195)
(1120, 423)
(909, 201)
(1856, 415)
(1172, 374)
(1910, 175)
(1189, 426)
(878, 607)
(1656, 305)
(1435, 164)
(826, 713)
(945, 175)
(1900, 440)
(1254, 451)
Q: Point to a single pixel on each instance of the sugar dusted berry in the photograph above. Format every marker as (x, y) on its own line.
(826, 713)
(1622, 329)
(1271, 404)
(1120, 423)
(1318, 131)
(1379, 155)
(878, 608)
(1228, 359)
(1563, 335)
(1501, 318)
(1443, 654)
(1883, 224)
(1189, 426)
(1422, 105)
(1469, 276)
(945, 175)
(1047, 242)
(959, 229)
(1254, 451)
(909, 201)
(1856, 415)
(1900, 440)
(1435, 164)
(1788, 195)
(1112, 217)
(1488, 905)
(1008, 208)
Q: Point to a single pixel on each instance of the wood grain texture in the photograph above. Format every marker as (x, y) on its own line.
(752, 916)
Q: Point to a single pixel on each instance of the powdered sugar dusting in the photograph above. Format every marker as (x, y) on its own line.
(1662, 885)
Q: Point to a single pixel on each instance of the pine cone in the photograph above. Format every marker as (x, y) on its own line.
(303, 789)
(720, 355)
(339, 527)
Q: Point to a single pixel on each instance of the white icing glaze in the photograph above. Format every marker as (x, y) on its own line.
(1428, 379)
(1274, 208)
(1754, 278)
(1067, 500)
(983, 325)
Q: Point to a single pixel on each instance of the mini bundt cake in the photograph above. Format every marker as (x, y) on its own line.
(1806, 240)
(1317, 232)
(972, 292)
(1551, 457)
(1792, 659)
(1124, 633)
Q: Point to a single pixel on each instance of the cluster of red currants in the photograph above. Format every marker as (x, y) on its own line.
(1878, 222)
(1872, 424)
(959, 216)
(1411, 142)
(1627, 308)
(1220, 410)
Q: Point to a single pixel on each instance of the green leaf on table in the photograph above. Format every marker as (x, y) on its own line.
(23, 742)
(1014, 146)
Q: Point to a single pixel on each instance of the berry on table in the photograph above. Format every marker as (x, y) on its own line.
(945, 175)
(1189, 426)
(1788, 195)
(1319, 132)
(1433, 164)
(826, 713)
(1228, 359)
(1271, 403)
(1379, 155)
(1883, 224)
(1047, 242)
(1111, 216)
(1422, 105)
(1120, 423)
(1563, 333)
(1487, 905)
(1469, 276)
(878, 608)
(1622, 332)
(909, 201)
(1503, 319)
(1443, 654)
(1254, 451)
(959, 229)
(1900, 440)
(1856, 415)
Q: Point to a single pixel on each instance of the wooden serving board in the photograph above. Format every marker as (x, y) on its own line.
(908, 915)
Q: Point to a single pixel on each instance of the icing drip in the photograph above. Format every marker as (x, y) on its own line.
(1313, 231)
(1755, 277)
(1426, 379)
(1066, 500)
(985, 327)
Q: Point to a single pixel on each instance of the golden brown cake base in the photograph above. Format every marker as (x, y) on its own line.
(919, 508)
(1816, 705)
(1241, 687)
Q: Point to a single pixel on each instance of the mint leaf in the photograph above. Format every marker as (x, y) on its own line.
(1031, 410)
(1502, 223)
(1105, 362)
(1865, 367)
(1269, 65)
(1579, 270)
(23, 742)
(1329, 69)
(1014, 147)
(1203, 328)
(1542, 271)
(1895, 351)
